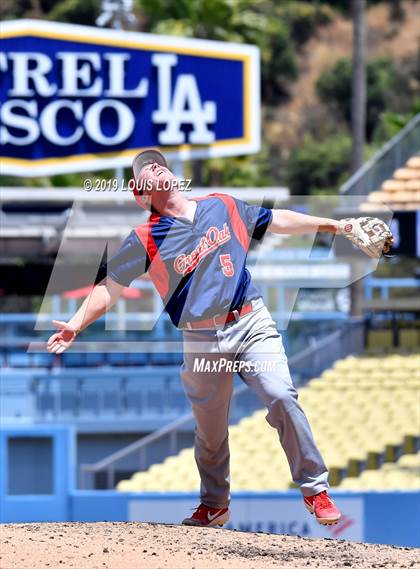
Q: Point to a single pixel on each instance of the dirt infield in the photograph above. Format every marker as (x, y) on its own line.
(156, 546)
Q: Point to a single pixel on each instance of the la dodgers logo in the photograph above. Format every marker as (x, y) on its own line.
(213, 238)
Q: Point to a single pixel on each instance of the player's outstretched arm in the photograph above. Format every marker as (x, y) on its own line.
(370, 234)
(102, 297)
(292, 223)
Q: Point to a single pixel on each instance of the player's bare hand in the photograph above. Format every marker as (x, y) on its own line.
(62, 339)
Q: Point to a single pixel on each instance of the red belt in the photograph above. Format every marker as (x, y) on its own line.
(220, 319)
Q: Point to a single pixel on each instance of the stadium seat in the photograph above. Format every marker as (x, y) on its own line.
(69, 395)
(94, 359)
(406, 174)
(409, 338)
(177, 401)
(100, 395)
(117, 358)
(45, 402)
(410, 461)
(155, 401)
(401, 192)
(70, 359)
(379, 340)
(20, 359)
(403, 474)
(137, 359)
(42, 360)
(163, 358)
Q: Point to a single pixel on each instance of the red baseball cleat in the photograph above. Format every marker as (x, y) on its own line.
(326, 512)
(207, 517)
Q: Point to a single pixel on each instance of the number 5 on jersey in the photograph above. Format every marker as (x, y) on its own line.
(227, 266)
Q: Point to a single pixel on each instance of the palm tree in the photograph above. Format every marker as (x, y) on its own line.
(358, 107)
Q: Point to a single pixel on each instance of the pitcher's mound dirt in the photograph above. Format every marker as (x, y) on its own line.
(157, 546)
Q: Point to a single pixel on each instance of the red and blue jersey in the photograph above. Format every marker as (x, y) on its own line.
(198, 267)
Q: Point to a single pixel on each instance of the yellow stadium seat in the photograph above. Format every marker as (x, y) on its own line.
(404, 474)
(406, 174)
(378, 197)
(350, 484)
(366, 363)
(125, 486)
(410, 463)
(401, 192)
(409, 338)
(414, 163)
(412, 185)
(379, 339)
(345, 364)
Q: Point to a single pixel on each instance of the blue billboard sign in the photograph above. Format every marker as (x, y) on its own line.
(77, 98)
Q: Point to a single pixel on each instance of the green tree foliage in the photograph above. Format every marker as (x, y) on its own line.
(334, 88)
(206, 19)
(278, 63)
(345, 5)
(303, 19)
(277, 29)
(391, 123)
(75, 11)
(245, 171)
(319, 165)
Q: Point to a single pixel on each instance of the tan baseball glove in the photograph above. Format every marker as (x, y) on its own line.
(370, 234)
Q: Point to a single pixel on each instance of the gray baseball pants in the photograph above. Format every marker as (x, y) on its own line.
(252, 339)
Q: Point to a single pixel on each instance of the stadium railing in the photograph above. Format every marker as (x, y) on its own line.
(382, 165)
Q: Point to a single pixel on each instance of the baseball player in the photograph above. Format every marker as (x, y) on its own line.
(195, 253)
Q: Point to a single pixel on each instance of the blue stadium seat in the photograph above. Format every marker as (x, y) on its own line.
(143, 393)
(43, 360)
(162, 358)
(101, 395)
(135, 402)
(14, 400)
(155, 401)
(87, 393)
(138, 358)
(90, 402)
(45, 402)
(178, 401)
(70, 359)
(89, 359)
(94, 359)
(69, 402)
(117, 358)
(19, 359)
(69, 395)
(111, 401)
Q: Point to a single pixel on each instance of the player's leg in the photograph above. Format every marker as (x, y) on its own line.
(209, 393)
(268, 375)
